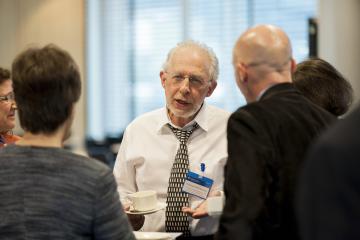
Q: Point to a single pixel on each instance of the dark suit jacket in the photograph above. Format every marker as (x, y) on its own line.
(329, 199)
(267, 141)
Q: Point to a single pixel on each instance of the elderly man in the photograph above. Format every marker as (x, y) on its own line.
(149, 156)
(267, 139)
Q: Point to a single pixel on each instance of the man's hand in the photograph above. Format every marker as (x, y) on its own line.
(199, 212)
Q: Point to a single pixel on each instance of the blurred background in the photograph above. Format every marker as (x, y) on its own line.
(120, 46)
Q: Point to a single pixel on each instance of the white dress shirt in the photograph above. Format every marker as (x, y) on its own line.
(148, 150)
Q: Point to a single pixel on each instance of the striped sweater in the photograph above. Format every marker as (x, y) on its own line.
(50, 193)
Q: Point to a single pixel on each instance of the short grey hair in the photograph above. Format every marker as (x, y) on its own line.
(214, 63)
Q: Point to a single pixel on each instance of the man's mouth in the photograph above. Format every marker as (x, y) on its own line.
(182, 102)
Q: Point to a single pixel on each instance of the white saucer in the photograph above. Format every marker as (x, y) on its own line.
(160, 205)
(152, 235)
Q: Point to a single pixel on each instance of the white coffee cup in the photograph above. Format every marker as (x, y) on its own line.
(143, 200)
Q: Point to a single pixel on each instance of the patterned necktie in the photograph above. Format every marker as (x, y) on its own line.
(176, 220)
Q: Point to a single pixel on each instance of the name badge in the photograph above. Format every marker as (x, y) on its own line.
(197, 185)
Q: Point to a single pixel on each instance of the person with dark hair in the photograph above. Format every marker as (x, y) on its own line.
(7, 109)
(47, 192)
(267, 139)
(320, 82)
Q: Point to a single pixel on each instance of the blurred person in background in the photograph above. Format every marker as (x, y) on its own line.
(47, 192)
(7, 109)
(320, 82)
(267, 139)
(329, 188)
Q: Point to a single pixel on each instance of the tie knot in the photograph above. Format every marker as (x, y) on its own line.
(183, 135)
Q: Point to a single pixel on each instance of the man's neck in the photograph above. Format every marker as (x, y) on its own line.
(180, 121)
(41, 140)
(263, 85)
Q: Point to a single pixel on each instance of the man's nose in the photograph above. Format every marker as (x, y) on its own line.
(185, 85)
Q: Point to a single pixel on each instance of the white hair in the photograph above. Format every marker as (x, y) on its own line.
(214, 63)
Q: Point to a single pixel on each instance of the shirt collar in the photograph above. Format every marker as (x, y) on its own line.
(201, 119)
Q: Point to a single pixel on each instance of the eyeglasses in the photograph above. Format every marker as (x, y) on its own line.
(194, 80)
(8, 98)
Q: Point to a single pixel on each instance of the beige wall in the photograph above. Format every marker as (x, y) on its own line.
(339, 38)
(25, 23)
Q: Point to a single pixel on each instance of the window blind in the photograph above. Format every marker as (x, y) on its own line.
(127, 42)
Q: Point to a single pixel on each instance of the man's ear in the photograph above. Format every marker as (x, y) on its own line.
(241, 73)
(162, 78)
(292, 65)
(212, 87)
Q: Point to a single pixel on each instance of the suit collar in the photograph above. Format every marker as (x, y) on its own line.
(277, 89)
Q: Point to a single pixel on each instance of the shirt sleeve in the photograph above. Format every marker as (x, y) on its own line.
(218, 186)
(110, 220)
(124, 170)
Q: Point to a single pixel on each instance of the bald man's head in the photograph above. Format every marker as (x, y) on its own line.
(262, 57)
(263, 45)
